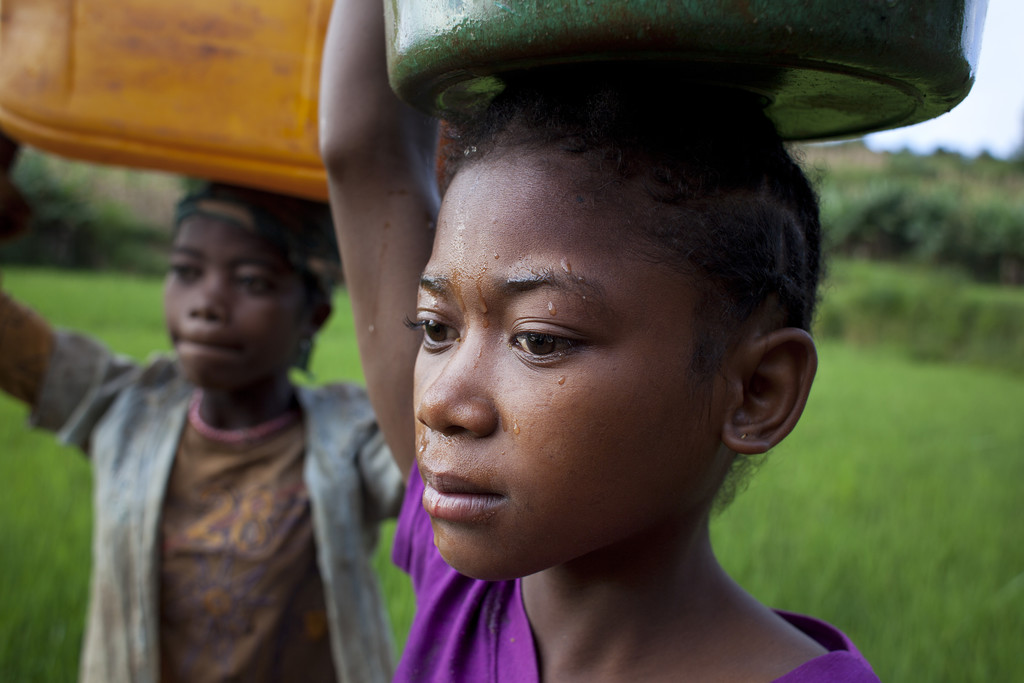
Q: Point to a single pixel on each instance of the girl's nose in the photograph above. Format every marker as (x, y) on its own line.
(209, 302)
(455, 399)
(204, 310)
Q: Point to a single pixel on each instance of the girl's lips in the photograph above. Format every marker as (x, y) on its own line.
(206, 348)
(454, 500)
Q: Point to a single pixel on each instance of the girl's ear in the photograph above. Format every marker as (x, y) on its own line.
(772, 378)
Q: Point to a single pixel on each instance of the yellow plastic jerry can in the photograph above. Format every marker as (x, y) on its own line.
(219, 89)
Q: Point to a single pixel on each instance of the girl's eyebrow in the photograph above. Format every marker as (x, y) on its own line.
(435, 284)
(441, 285)
(551, 279)
(267, 263)
(257, 261)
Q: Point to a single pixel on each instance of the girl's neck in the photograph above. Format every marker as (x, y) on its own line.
(255, 405)
(602, 613)
(650, 610)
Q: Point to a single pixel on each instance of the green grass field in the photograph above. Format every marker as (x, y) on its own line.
(894, 510)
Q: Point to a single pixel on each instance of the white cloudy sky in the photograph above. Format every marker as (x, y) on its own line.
(991, 118)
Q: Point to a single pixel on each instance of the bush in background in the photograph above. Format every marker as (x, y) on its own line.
(941, 209)
(933, 314)
(74, 226)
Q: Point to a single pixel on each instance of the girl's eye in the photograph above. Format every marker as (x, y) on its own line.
(434, 333)
(184, 272)
(539, 344)
(255, 284)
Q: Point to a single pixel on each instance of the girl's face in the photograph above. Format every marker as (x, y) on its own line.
(556, 418)
(235, 308)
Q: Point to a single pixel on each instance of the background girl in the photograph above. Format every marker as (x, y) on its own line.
(235, 512)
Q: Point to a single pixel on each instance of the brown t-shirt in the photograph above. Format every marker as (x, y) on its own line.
(240, 593)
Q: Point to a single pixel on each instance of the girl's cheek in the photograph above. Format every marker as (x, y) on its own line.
(422, 437)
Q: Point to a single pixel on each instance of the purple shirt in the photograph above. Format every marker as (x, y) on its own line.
(471, 630)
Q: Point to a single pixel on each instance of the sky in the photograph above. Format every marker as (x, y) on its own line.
(991, 117)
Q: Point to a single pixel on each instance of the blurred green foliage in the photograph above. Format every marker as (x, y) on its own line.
(928, 313)
(73, 226)
(942, 209)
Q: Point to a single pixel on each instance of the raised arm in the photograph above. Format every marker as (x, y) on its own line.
(14, 210)
(26, 342)
(379, 155)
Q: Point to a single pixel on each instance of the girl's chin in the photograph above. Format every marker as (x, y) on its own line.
(480, 564)
(211, 382)
(220, 377)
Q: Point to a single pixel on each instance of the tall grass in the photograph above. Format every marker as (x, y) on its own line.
(893, 511)
(928, 313)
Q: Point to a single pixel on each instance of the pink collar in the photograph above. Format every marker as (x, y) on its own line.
(237, 436)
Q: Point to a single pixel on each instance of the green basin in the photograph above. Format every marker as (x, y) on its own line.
(825, 68)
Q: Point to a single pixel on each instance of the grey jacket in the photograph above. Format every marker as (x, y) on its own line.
(128, 418)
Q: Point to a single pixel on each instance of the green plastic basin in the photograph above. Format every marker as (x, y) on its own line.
(825, 68)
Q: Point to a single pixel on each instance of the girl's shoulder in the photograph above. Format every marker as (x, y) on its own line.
(843, 663)
(339, 401)
(344, 444)
(334, 391)
(160, 369)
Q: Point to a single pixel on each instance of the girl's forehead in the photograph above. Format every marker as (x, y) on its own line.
(545, 199)
(216, 238)
(519, 223)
